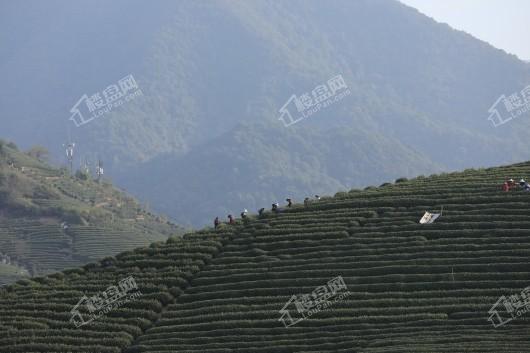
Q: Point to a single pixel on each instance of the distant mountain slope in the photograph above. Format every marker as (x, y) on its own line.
(420, 92)
(50, 221)
(257, 162)
(351, 273)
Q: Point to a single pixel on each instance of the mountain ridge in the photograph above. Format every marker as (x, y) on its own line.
(419, 85)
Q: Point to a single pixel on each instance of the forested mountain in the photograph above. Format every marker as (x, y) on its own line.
(214, 75)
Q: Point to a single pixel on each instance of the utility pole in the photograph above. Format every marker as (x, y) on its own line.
(86, 166)
(70, 155)
(99, 170)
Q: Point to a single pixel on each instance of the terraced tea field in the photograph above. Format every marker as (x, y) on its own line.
(410, 287)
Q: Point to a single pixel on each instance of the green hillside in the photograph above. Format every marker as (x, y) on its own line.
(411, 287)
(50, 220)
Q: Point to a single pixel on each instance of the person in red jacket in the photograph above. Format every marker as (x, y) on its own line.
(231, 219)
(505, 187)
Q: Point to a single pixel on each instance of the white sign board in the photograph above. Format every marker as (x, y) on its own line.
(429, 218)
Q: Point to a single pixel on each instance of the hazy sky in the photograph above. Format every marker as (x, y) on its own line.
(503, 23)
